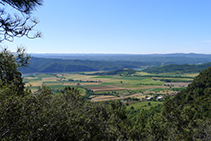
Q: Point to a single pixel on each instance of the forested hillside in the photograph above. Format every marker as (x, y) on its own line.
(177, 58)
(187, 116)
(44, 65)
(197, 96)
(125, 71)
(185, 68)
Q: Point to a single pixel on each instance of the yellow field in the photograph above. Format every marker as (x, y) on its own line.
(142, 73)
(115, 85)
(78, 77)
(30, 78)
(50, 79)
(36, 83)
(192, 75)
(105, 98)
(52, 84)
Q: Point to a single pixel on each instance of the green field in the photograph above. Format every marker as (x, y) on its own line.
(115, 85)
(103, 76)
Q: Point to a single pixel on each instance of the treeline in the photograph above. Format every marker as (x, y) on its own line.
(177, 58)
(163, 76)
(43, 65)
(121, 72)
(185, 68)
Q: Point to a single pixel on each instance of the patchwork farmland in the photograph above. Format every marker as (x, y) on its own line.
(111, 87)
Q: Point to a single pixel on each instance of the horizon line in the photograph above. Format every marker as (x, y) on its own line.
(118, 53)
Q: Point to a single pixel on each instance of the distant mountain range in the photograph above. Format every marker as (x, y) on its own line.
(44, 65)
(53, 63)
(185, 68)
(177, 58)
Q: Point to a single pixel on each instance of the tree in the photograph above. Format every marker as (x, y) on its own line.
(21, 23)
(9, 73)
(11, 27)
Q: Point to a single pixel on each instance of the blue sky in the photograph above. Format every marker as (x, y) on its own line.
(121, 26)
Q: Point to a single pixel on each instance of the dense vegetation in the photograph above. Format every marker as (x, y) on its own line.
(121, 72)
(67, 116)
(50, 65)
(185, 68)
(43, 65)
(178, 58)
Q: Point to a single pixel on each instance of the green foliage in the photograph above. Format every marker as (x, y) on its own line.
(185, 68)
(8, 68)
(68, 116)
(64, 116)
(178, 89)
(197, 94)
(144, 105)
(121, 72)
(147, 60)
(42, 65)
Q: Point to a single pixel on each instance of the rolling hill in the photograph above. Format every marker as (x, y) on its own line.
(45, 65)
(185, 68)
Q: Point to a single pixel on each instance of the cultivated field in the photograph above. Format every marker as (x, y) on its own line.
(111, 87)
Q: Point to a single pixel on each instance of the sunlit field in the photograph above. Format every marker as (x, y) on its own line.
(111, 87)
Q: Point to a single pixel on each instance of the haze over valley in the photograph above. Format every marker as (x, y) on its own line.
(137, 70)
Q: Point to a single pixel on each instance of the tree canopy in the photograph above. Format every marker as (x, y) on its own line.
(19, 24)
(12, 26)
(67, 116)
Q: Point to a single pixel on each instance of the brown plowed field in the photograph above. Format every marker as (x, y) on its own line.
(49, 78)
(105, 88)
(105, 98)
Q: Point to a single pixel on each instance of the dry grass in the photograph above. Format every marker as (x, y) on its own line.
(87, 78)
(30, 78)
(104, 98)
(78, 77)
(136, 95)
(140, 97)
(142, 73)
(50, 78)
(53, 84)
(93, 72)
(92, 96)
(192, 75)
(36, 83)
(59, 75)
(82, 94)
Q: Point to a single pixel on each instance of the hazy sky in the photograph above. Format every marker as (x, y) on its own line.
(121, 26)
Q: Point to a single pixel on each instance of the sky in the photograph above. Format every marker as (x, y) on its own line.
(121, 27)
